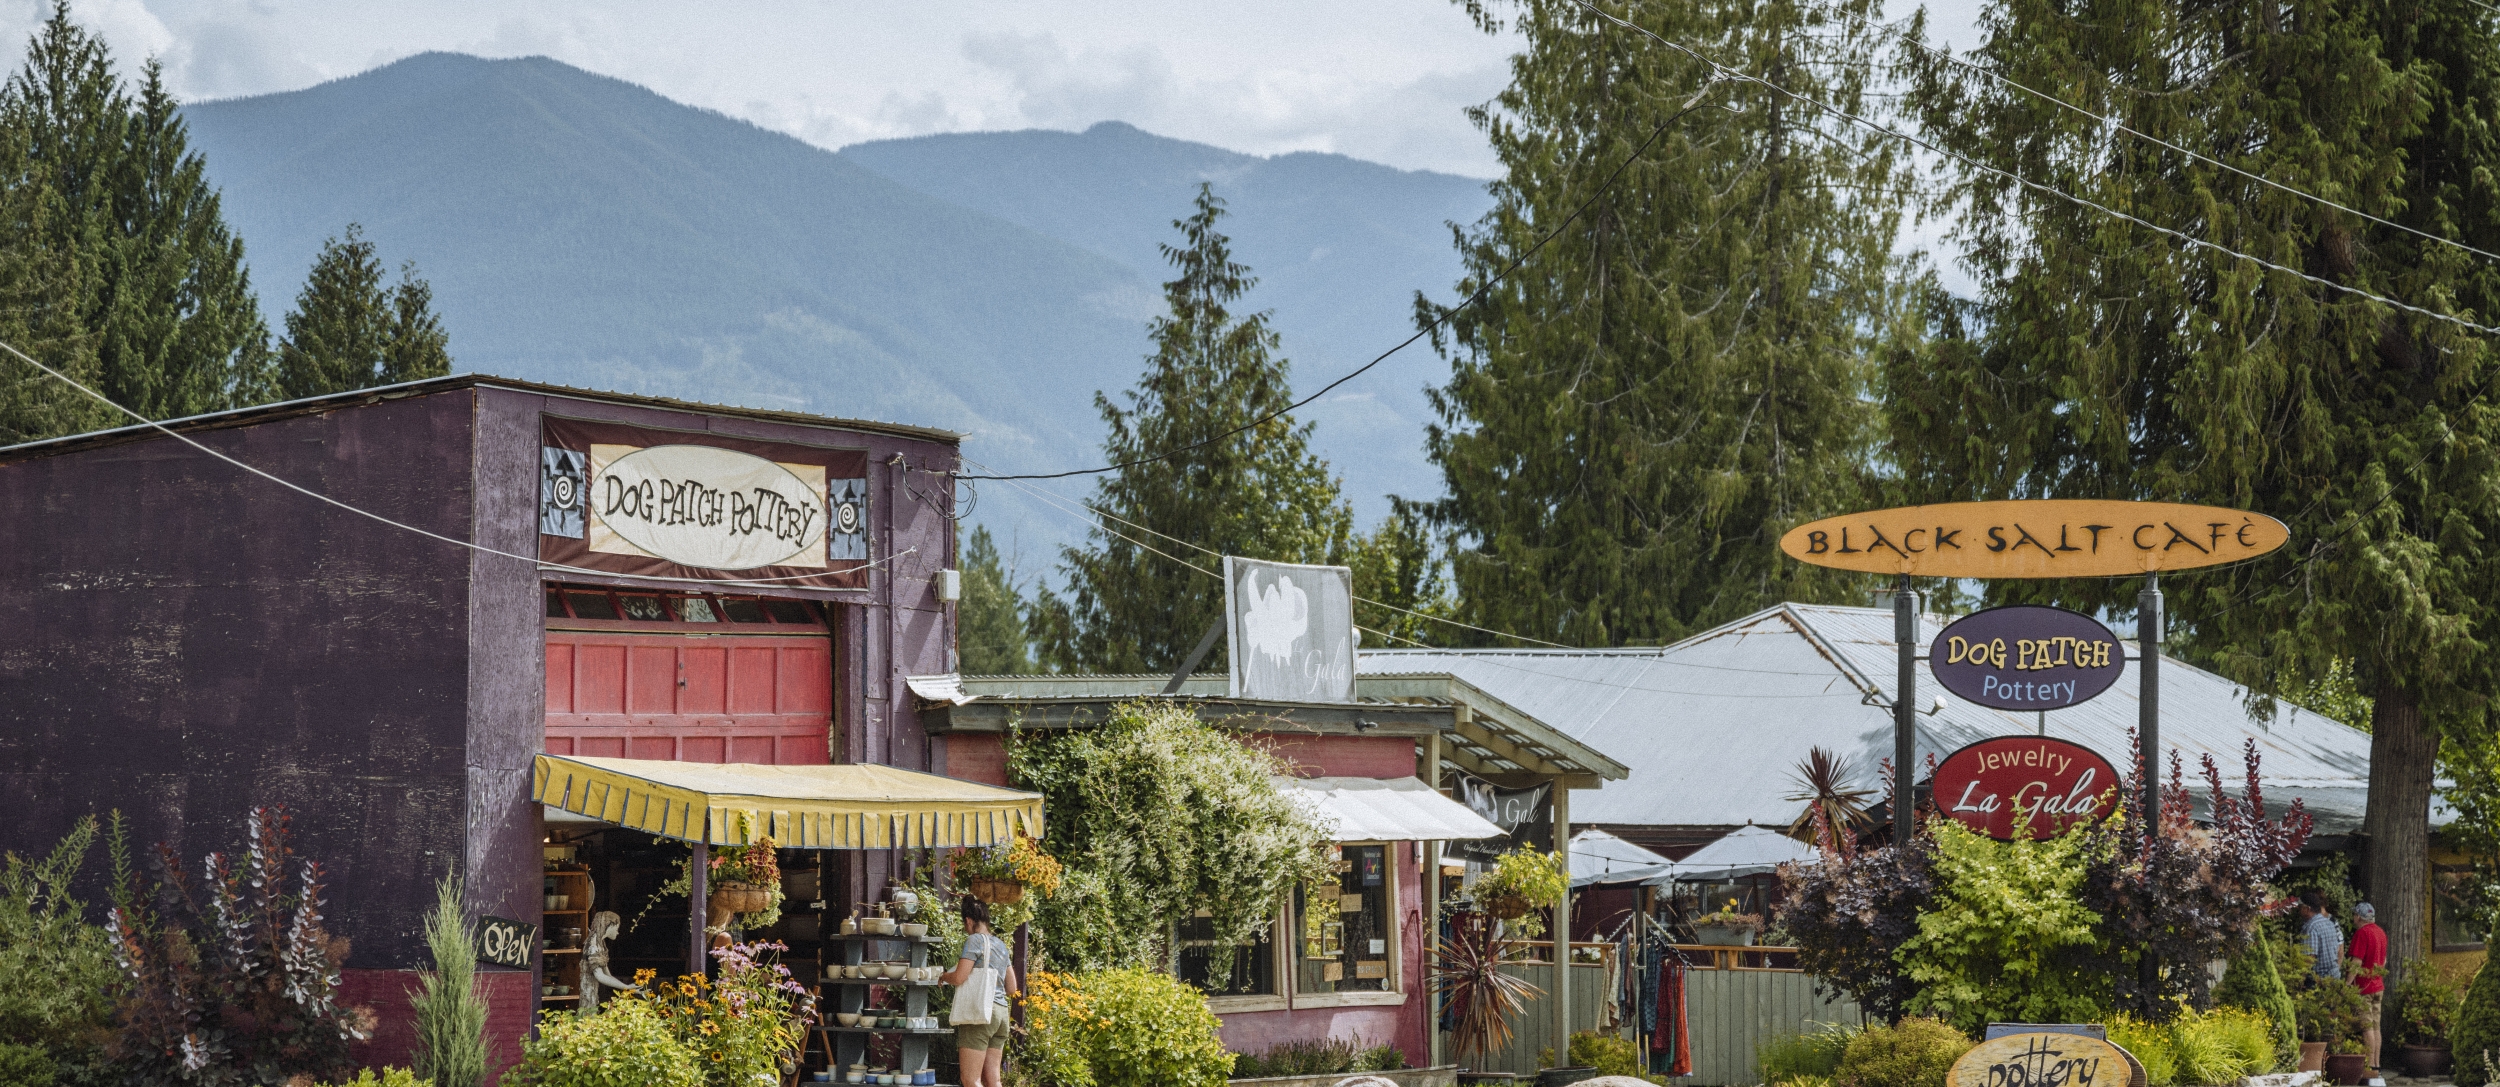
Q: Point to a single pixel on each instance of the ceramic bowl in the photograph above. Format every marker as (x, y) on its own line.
(854, 1077)
(915, 931)
(848, 1019)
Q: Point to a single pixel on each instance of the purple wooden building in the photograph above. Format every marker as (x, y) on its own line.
(186, 640)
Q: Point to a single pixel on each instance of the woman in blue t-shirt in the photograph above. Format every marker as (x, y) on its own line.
(982, 1047)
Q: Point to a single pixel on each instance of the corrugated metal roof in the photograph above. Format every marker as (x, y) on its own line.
(1713, 726)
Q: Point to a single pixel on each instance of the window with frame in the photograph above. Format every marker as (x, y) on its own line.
(1344, 933)
(1253, 968)
(2450, 931)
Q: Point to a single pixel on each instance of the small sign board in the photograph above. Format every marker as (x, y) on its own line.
(2026, 657)
(2056, 782)
(2042, 1060)
(2040, 538)
(1292, 630)
(505, 942)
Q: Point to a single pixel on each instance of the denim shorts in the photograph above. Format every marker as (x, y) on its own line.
(990, 1035)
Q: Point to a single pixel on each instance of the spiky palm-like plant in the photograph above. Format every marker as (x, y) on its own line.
(1484, 998)
(450, 1014)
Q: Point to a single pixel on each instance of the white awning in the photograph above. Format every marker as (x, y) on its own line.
(948, 688)
(1387, 810)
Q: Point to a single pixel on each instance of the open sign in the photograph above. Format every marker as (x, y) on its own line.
(2056, 783)
(505, 942)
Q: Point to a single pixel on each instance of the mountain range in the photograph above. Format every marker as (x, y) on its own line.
(580, 229)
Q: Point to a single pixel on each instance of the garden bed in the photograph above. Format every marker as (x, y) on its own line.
(1444, 1075)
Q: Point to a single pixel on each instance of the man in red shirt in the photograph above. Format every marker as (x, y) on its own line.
(2369, 949)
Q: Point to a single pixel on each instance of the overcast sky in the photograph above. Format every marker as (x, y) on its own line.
(1383, 80)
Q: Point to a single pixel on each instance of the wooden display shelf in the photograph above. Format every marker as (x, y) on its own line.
(846, 937)
(561, 950)
(840, 1029)
(899, 983)
(567, 996)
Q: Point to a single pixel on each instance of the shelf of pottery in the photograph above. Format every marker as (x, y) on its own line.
(877, 981)
(566, 885)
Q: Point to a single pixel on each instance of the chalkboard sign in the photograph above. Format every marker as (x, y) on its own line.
(506, 943)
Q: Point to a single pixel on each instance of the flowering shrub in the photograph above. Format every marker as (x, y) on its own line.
(2183, 894)
(1120, 1028)
(232, 980)
(736, 1028)
(626, 1044)
(1156, 815)
(390, 1077)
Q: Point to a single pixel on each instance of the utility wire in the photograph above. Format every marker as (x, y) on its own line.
(2024, 181)
(402, 526)
(1084, 508)
(2122, 126)
(1057, 500)
(1442, 318)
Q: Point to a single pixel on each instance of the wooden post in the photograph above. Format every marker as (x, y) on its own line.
(1562, 931)
(1428, 767)
(698, 878)
(2148, 624)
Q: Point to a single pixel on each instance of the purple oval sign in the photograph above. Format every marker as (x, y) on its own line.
(2026, 657)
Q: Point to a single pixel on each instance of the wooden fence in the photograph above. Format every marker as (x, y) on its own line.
(1735, 1000)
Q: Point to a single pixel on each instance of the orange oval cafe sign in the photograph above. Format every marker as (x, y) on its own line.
(2035, 539)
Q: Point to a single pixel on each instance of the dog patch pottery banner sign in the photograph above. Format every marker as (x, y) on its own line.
(661, 503)
(2055, 783)
(2026, 657)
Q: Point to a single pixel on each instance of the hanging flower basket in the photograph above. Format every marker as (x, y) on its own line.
(740, 898)
(1508, 907)
(998, 892)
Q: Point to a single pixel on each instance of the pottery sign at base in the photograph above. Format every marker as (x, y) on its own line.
(2042, 1060)
(2040, 785)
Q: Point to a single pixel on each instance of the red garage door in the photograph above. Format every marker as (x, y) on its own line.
(688, 677)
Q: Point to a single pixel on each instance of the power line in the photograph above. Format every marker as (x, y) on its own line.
(404, 527)
(1442, 318)
(1203, 549)
(2121, 126)
(1061, 503)
(2024, 181)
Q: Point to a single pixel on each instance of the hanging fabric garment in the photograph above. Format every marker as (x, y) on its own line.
(1671, 1048)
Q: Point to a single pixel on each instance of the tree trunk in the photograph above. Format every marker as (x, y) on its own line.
(2403, 756)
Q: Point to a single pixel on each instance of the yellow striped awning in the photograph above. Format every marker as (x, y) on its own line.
(800, 807)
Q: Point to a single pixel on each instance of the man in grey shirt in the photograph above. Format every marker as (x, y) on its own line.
(2320, 936)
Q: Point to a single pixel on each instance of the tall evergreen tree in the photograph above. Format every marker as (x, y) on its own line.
(1400, 581)
(40, 289)
(350, 332)
(2103, 360)
(1260, 493)
(163, 286)
(1639, 412)
(989, 621)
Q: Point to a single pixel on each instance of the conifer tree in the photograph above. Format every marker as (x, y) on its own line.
(164, 292)
(2103, 360)
(989, 622)
(1400, 581)
(1639, 411)
(349, 332)
(40, 289)
(1259, 494)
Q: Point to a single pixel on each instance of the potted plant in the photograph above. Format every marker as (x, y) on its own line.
(2331, 1015)
(999, 875)
(1523, 881)
(1726, 927)
(745, 880)
(2426, 1011)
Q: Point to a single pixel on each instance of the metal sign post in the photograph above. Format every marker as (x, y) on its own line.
(1904, 710)
(2148, 624)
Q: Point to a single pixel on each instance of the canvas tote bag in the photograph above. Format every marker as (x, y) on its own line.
(977, 998)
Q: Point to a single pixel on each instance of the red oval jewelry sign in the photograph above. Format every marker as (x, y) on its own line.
(2026, 657)
(2059, 783)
